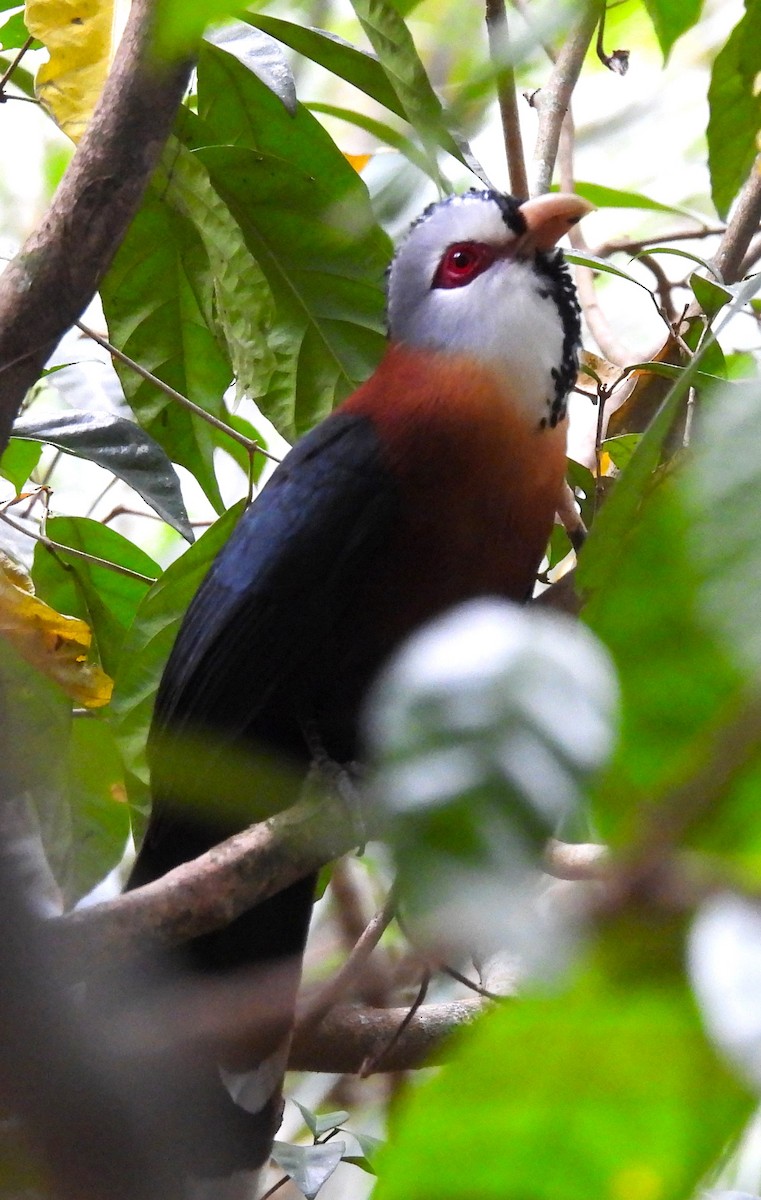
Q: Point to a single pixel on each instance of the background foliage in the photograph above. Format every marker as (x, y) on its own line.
(251, 283)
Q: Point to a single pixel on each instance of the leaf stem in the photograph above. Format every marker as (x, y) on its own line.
(13, 64)
(250, 446)
(59, 548)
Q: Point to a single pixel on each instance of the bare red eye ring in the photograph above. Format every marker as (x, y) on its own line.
(462, 262)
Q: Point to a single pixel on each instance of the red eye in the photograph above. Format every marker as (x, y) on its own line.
(462, 262)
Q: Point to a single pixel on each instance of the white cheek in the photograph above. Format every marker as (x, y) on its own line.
(503, 317)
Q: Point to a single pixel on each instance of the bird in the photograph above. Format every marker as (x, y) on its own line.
(436, 481)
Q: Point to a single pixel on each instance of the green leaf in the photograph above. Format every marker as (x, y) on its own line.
(19, 460)
(14, 33)
(723, 489)
(306, 218)
(598, 1089)
(155, 298)
(679, 253)
(710, 296)
(319, 1124)
(600, 264)
(341, 58)
(674, 675)
(608, 197)
(673, 371)
(122, 448)
(106, 600)
(621, 448)
(148, 643)
(381, 131)
(36, 727)
(262, 354)
(672, 18)
(100, 822)
(308, 1166)
(180, 23)
(392, 42)
(260, 53)
(22, 79)
(735, 109)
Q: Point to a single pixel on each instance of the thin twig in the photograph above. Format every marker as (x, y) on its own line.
(553, 99)
(663, 286)
(351, 971)
(373, 1061)
(633, 246)
(59, 548)
(471, 984)
(499, 48)
(12, 67)
(248, 444)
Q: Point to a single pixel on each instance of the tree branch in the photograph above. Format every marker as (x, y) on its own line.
(553, 99)
(210, 891)
(350, 1036)
(742, 225)
(499, 35)
(54, 276)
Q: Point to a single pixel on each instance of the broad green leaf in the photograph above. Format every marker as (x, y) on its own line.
(620, 449)
(148, 643)
(122, 448)
(723, 490)
(306, 218)
(19, 460)
(103, 598)
(99, 813)
(156, 298)
(608, 197)
(672, 18)
(341, 58)
(80, 51)
(603, 1088)
(674, 675)
(263, 356)
(381, 131)
(180, 23)
(392, 42)
(260, 53)
(710, 296)
(735, 109)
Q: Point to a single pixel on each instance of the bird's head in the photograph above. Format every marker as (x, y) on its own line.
(479, 275)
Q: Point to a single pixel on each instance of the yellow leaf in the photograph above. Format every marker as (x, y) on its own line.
(80, 37)
(358, 161)
(55, 644)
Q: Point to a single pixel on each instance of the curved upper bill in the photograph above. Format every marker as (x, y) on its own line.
(549, 217)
